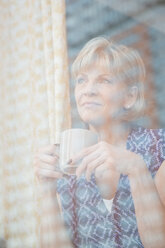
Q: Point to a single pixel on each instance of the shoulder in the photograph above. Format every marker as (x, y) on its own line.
(147, 139)
(154, 134)
(150, 143)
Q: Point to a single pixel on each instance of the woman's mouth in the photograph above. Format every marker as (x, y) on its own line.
(90, 104)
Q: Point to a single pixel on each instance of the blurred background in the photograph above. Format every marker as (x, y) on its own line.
(136, 23)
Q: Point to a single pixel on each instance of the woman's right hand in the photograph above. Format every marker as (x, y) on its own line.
(45, 163)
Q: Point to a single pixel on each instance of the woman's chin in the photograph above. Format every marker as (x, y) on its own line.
(94, 121)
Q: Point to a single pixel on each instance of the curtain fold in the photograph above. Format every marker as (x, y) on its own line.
(34, 107)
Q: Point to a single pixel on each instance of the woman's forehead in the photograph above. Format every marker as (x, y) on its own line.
(96, 68)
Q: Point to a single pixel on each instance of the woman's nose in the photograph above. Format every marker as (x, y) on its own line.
(90, 88)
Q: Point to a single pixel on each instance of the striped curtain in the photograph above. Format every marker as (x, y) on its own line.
(34, 107)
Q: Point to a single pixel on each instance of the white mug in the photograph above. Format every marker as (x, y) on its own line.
(72, 141)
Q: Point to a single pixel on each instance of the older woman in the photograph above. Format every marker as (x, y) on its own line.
(109, 92)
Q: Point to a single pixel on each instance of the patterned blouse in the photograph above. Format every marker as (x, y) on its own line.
(89, 223)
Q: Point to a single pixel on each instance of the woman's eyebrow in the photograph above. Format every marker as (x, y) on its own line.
(104, 75)
(82, 74)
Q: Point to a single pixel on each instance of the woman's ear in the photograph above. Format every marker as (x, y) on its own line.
(131, 97)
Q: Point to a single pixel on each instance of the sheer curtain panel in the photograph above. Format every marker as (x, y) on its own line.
(34, 108)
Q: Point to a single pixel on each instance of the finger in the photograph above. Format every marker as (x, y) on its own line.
(100, 170)
(49, 150)
(78, 157)
(98, 162)
(86, 162)
(43, 166)
(47, 167)
(80, 170)
(49, 159)
(48, 173)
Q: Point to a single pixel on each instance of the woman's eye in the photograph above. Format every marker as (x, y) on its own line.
(106, 81)
(80, 80)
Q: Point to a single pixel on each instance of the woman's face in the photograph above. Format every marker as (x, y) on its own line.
(99, 96)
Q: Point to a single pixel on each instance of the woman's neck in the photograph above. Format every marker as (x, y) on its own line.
(115, 134)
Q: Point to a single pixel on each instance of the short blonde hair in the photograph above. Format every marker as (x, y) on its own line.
(123, 61)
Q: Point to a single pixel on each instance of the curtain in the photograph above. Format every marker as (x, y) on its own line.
(34, 107)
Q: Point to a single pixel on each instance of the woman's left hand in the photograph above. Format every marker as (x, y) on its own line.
(104, 157)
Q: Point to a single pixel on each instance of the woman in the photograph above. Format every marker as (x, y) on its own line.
(109, 93)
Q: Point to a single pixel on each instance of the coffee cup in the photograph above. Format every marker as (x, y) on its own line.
(72, 141)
